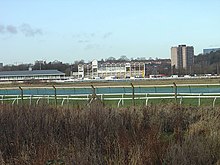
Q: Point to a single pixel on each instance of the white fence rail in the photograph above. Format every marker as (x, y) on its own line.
(118, 97)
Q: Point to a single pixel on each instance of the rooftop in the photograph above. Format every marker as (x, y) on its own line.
(31, 73)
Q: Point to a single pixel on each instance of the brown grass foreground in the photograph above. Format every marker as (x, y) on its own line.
(165, 134)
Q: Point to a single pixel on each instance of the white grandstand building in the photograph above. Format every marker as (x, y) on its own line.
(107, 70)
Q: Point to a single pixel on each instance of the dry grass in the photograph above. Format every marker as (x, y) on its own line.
(163, 134)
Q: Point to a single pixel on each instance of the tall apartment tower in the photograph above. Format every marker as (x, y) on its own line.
(182, 56)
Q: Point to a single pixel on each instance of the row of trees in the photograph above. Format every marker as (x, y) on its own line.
(203, 64)
(68, 68)
(208, 63)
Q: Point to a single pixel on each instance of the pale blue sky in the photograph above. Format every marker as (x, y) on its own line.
(69, 30)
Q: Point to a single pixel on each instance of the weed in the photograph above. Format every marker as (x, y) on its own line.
(95, 134)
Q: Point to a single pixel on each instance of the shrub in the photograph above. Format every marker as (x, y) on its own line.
(95, 134)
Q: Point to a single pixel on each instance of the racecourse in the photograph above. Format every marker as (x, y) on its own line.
(125, 82)
(142, 92)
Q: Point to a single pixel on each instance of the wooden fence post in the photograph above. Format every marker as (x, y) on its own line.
(93, 92)
(175, 91)
(94, 96)
(133, 102)
(22, 95)
(55, 95)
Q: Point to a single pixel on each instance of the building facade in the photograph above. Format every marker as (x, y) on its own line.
(119, 69)
(182, 57)
(111, 70)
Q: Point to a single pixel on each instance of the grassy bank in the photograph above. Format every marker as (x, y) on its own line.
(167, 134)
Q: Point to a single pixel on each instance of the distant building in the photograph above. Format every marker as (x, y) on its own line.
(31, 75)
(104, 70)
(118, 69)
(182, 56)
(206, 51)
(1, 65)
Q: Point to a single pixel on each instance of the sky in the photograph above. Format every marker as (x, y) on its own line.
(71, 30)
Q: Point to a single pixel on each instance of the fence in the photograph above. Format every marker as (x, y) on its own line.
(190, 88)
(118, 98)
(119, 94)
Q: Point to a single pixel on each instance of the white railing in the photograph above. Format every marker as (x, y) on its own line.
(118, 97)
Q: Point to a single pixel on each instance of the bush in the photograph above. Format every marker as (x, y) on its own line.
(95, 134)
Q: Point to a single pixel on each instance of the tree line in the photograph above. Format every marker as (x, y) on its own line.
(67, 68)
(203, 64)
